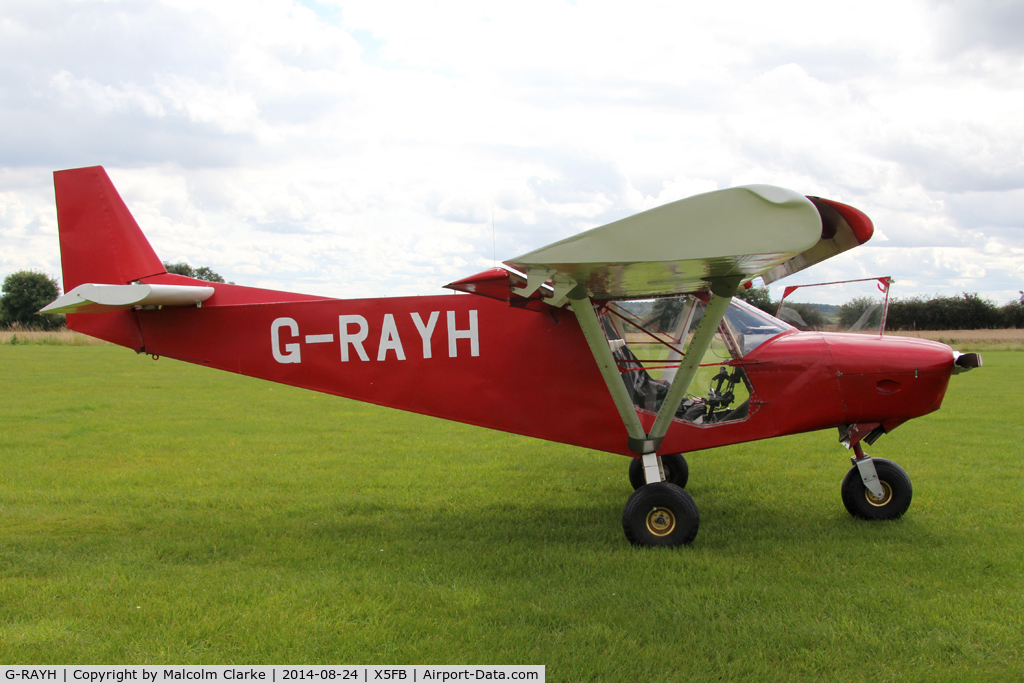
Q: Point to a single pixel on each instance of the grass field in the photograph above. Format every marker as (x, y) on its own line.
(61, 337)
(156, 512)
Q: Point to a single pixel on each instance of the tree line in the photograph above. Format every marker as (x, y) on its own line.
(965, 311)
(968, 311)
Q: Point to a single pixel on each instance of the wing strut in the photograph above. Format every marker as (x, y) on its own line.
(722, 291)
(591, 326)
(639, 441)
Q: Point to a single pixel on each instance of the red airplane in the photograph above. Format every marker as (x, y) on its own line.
(625, 338)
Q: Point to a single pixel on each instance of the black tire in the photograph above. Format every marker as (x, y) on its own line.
(898, 492)
(660, 514)
(676, 471)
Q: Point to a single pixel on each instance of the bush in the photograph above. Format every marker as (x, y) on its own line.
(1013, 313)
(804, 316)
(852, 311)
(965, 312)
(200, 273)
(24, 293)
(665, 312)
(759, 297)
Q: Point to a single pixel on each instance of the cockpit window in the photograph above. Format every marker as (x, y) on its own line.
(649, 337)
(751, 326)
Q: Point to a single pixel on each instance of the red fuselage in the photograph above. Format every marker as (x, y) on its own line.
(479, 361)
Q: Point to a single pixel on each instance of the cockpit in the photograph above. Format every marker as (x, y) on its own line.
(649, 337)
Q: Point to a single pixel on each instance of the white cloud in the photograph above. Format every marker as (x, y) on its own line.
(362, 148)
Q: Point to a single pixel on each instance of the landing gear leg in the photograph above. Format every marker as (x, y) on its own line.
(674, 467)
(875, 488)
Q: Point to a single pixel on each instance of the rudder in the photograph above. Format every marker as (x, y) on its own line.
(100, 242)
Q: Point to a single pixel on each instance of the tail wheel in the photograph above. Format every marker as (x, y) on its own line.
(897, 492)
(677, 471)
(660, 514)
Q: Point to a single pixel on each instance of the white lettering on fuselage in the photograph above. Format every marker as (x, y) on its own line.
(426, 331)
(354, 330)
(454, 335)
(355, 340)
(389, 339)
(292, 354)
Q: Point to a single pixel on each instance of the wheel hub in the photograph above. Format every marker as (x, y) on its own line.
(879, 502)
(661, 521)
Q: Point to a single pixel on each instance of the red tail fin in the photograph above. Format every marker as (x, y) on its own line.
(100, 242)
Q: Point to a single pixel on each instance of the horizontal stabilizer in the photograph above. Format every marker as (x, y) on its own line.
(90, 298)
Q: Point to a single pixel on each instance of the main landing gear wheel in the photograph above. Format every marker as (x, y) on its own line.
(860, 502)
(660, 514)
(676, 470)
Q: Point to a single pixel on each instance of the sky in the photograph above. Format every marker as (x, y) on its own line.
(359, 149)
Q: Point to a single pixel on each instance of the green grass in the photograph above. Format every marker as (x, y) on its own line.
(164, 513)
(18, 335)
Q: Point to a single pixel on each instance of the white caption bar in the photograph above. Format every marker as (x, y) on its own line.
(269, 674)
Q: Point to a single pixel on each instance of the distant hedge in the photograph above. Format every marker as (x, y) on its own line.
(968, 311)
(1013, 313)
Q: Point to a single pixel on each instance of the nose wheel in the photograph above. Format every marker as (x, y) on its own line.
(896, 492)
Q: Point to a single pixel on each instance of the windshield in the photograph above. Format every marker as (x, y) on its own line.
(750, 327)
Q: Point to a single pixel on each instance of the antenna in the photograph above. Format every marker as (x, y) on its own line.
(494, 243)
